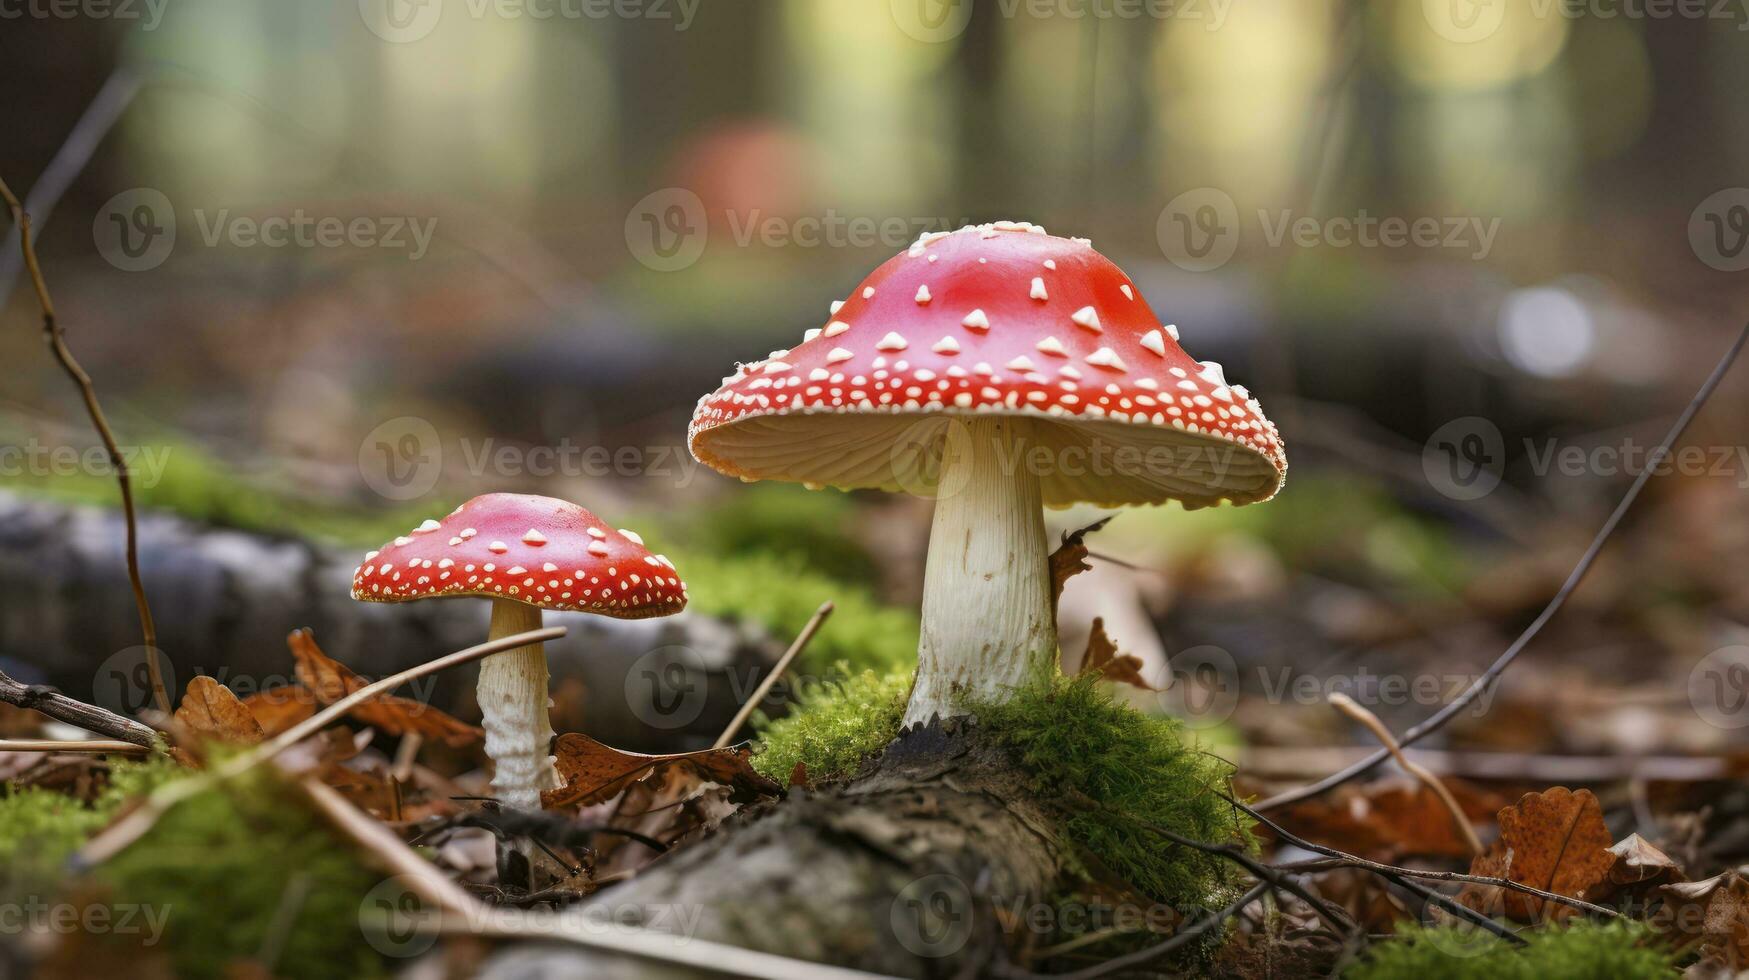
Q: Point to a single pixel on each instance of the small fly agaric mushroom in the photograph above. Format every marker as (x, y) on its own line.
(1003, 369)
(526, 554)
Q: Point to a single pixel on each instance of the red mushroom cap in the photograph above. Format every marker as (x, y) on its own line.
(536, 550)
(996, 318)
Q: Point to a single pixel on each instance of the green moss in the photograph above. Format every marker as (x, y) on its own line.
(780, 594)
(245, 868)
(833, 727)
(1618, 950)
(41, 828)
(1132, 771)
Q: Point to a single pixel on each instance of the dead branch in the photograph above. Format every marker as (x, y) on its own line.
(90, 717)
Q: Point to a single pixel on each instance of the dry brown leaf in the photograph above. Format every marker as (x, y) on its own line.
(1555, 840)
(1103, 659)
(1070, 559)
(279, 708)
(332, 680)
(210, 710)
(799, 775)
(1392, 819)
(594, 771)
(1717, 908)
(1638, 862)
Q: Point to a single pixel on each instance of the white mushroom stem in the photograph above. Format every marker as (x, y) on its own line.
(987, 621)
(512, 692)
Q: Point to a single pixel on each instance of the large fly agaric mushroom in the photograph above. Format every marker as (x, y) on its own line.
(1003, 369)
(526, 554)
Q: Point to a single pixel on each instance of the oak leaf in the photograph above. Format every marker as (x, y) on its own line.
(594, 771)
(210, 710)
(1555, 840)
(331, 680)
(1102, 658)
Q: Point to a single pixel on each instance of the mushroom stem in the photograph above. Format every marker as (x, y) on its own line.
(987, 621)
(512, 691)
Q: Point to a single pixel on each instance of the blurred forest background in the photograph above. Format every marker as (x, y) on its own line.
(621, 205)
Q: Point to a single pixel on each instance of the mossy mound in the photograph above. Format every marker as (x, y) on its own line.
(1583, 951)
(1120, 773)
(835, 726)
(41, 828)
(247, 871)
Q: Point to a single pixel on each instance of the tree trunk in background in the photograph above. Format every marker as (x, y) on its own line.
(896, 873)
(225, 600)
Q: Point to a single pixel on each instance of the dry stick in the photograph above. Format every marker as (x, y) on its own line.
(1262, 872)
(75, 712)
(1356, 861)
(1567, 588)
(131, 826)
(777, 669)
(1347, 705)
(95, 746)
(53, 336)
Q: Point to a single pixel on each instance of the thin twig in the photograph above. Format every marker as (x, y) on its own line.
(53, 336)
(777, 669)
(90, 717)
(1356, 861)
(1262, 872)
(1348, 706)
(103, 746)
(132, 826)
(1143, 957)
(1489, 676)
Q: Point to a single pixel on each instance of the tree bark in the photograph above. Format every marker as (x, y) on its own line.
(897, 872)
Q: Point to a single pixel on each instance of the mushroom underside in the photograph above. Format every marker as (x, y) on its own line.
(1097, 461)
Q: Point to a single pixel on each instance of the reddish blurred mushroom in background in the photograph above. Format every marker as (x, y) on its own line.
(526, 553)
(998, 368)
